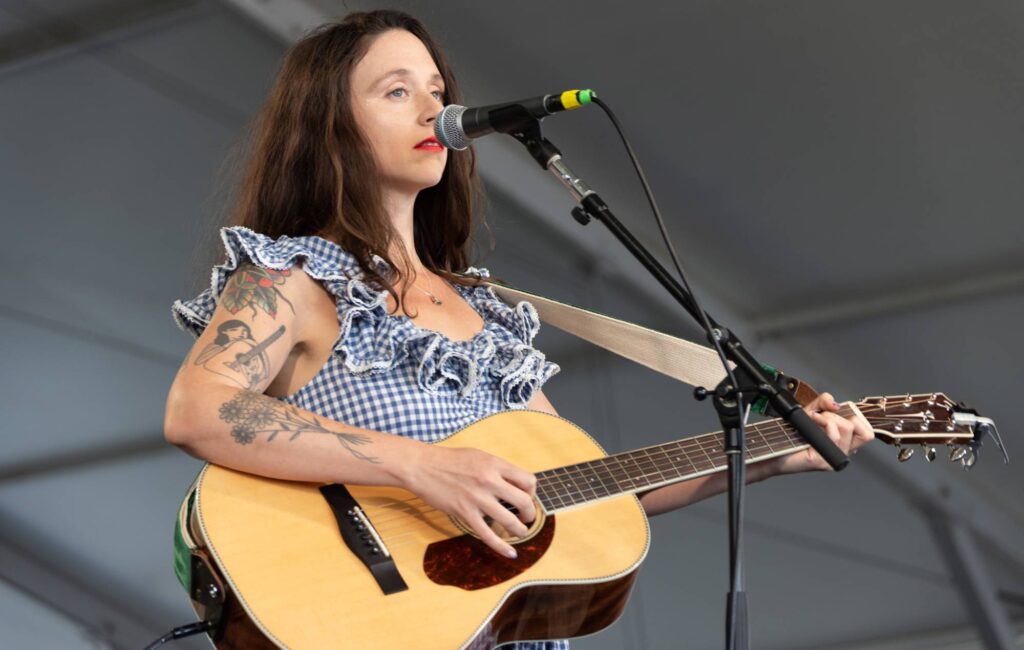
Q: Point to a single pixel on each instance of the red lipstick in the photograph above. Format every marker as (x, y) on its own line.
(430, 144)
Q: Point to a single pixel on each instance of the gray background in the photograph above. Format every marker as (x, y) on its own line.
(842, 180)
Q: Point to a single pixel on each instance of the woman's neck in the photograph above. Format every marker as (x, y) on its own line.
(399, 208)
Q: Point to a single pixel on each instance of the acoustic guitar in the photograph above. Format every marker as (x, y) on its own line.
(375, 567)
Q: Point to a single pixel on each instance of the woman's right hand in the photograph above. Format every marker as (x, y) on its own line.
(470, 484)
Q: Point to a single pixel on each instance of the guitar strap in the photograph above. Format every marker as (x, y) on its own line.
(678, 358)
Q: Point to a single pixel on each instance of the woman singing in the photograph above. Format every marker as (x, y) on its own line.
(346, 301)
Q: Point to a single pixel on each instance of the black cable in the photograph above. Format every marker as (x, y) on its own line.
(181, 632)
(735, 546)
(668, 242)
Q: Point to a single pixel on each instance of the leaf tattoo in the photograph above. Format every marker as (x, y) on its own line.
(254, 414)
(253, 286)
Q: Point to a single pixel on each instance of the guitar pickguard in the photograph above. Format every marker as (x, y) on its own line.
(469, 564)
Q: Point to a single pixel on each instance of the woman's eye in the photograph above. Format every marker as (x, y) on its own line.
(438, 95)
(397, 92)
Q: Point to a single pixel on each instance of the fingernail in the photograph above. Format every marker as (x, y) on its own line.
(512, 553)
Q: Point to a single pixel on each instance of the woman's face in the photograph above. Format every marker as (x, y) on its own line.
(397, 93)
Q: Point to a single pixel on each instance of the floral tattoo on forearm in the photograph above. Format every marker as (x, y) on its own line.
(253, 414)
(252, 286)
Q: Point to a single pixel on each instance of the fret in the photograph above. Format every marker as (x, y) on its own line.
(678, 456)
(591, 477)
(674, 456)
(662, 457)
(572, 490)
(633, 469)
(602, 473)
(625, 475)
(635, 474)
(786, 436)
(666, 463)
(651, 473)
(700, 442)
(780, 436)
(546, 499)
(654, 462)
(764, 438)
(607, 475)
(551, 479)
(638, 469)
(578, 484)
(698, 457)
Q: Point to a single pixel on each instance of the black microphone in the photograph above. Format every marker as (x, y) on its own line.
(456, 125)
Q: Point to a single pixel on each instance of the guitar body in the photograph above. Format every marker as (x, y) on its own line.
(278, 547)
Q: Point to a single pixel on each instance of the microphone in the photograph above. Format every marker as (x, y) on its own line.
(456, 125)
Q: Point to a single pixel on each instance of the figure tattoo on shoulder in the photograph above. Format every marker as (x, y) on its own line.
(236, 355)
(253, 414)
(253, 286)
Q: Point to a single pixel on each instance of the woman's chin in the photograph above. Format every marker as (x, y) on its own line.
(426, 183)
(413, 183)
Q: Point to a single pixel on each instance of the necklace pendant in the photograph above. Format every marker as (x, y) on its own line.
(435, 299)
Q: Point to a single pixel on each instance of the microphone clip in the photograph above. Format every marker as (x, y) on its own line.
(517, 122)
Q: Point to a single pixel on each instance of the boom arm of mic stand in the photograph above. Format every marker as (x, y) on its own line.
(593, 206)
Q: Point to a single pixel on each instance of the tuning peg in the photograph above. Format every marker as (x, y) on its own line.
(905, 454)
(929, 454)
(957, 453)
(968, 461)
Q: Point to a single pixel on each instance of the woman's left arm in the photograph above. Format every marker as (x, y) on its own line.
(848, 434)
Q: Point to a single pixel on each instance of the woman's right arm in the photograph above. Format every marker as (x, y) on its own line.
(216, 411)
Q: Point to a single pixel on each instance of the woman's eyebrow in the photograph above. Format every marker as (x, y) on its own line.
(405, 72)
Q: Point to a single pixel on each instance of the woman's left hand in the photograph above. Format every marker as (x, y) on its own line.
(849, 434)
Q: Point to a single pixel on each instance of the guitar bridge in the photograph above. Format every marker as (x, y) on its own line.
(362, 539)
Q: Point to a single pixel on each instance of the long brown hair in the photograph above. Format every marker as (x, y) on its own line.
(311, 172)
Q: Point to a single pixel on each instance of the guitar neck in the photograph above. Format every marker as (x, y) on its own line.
(660, 465)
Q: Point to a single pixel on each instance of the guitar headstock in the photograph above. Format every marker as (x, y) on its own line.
(929, 420)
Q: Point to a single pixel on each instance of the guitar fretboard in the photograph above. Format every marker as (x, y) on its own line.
(671, 462)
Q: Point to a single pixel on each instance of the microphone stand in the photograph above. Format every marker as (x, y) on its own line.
(751, 379)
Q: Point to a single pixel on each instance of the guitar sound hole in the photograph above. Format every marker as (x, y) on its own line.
(532, 528)
(507, 506)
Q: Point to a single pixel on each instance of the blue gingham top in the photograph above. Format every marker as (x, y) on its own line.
(387, 373)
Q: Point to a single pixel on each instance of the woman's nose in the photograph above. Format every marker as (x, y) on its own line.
(430, 108)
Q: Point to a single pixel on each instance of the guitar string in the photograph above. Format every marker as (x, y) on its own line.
(656, 463)
(562, 491)
(786, 436)
(402, 540)
(576, 471)
(658, 474)
(437, 516)
(661, 449)
(575, 495)
(698, 443)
